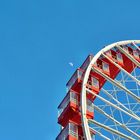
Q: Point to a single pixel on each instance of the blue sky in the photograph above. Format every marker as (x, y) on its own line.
(38, 39)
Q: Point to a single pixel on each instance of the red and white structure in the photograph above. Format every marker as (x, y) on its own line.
(103, 98)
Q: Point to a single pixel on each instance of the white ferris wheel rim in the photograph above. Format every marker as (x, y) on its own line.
(85, 125)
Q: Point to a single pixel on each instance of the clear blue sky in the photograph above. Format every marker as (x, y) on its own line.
(38, 38)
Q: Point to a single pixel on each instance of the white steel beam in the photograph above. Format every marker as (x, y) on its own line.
(100, 134)
(136, 45)
(117, 122)
(85, 126)
(129, 56)
(115, 106)
(119, 103)
(118, 66)
(117, 84)
(111, 130)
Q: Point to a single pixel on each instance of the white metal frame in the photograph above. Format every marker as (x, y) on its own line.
(86, 128)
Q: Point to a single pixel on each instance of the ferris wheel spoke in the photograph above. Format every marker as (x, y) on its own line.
(116, 83)
(135, 45)
(129, 56)
(100, 134)
(137, 87)
(115, 90)
(118, 66)
(127, 98)
(114, 120)
(118, 103)
(113, 105)
(129, 119)
(115, 124)
(110, 130)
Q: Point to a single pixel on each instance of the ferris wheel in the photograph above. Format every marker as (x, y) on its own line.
(103, 96)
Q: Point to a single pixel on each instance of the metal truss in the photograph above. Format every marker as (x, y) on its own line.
(117, 106)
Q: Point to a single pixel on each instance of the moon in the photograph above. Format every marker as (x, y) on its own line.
(71, 64)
